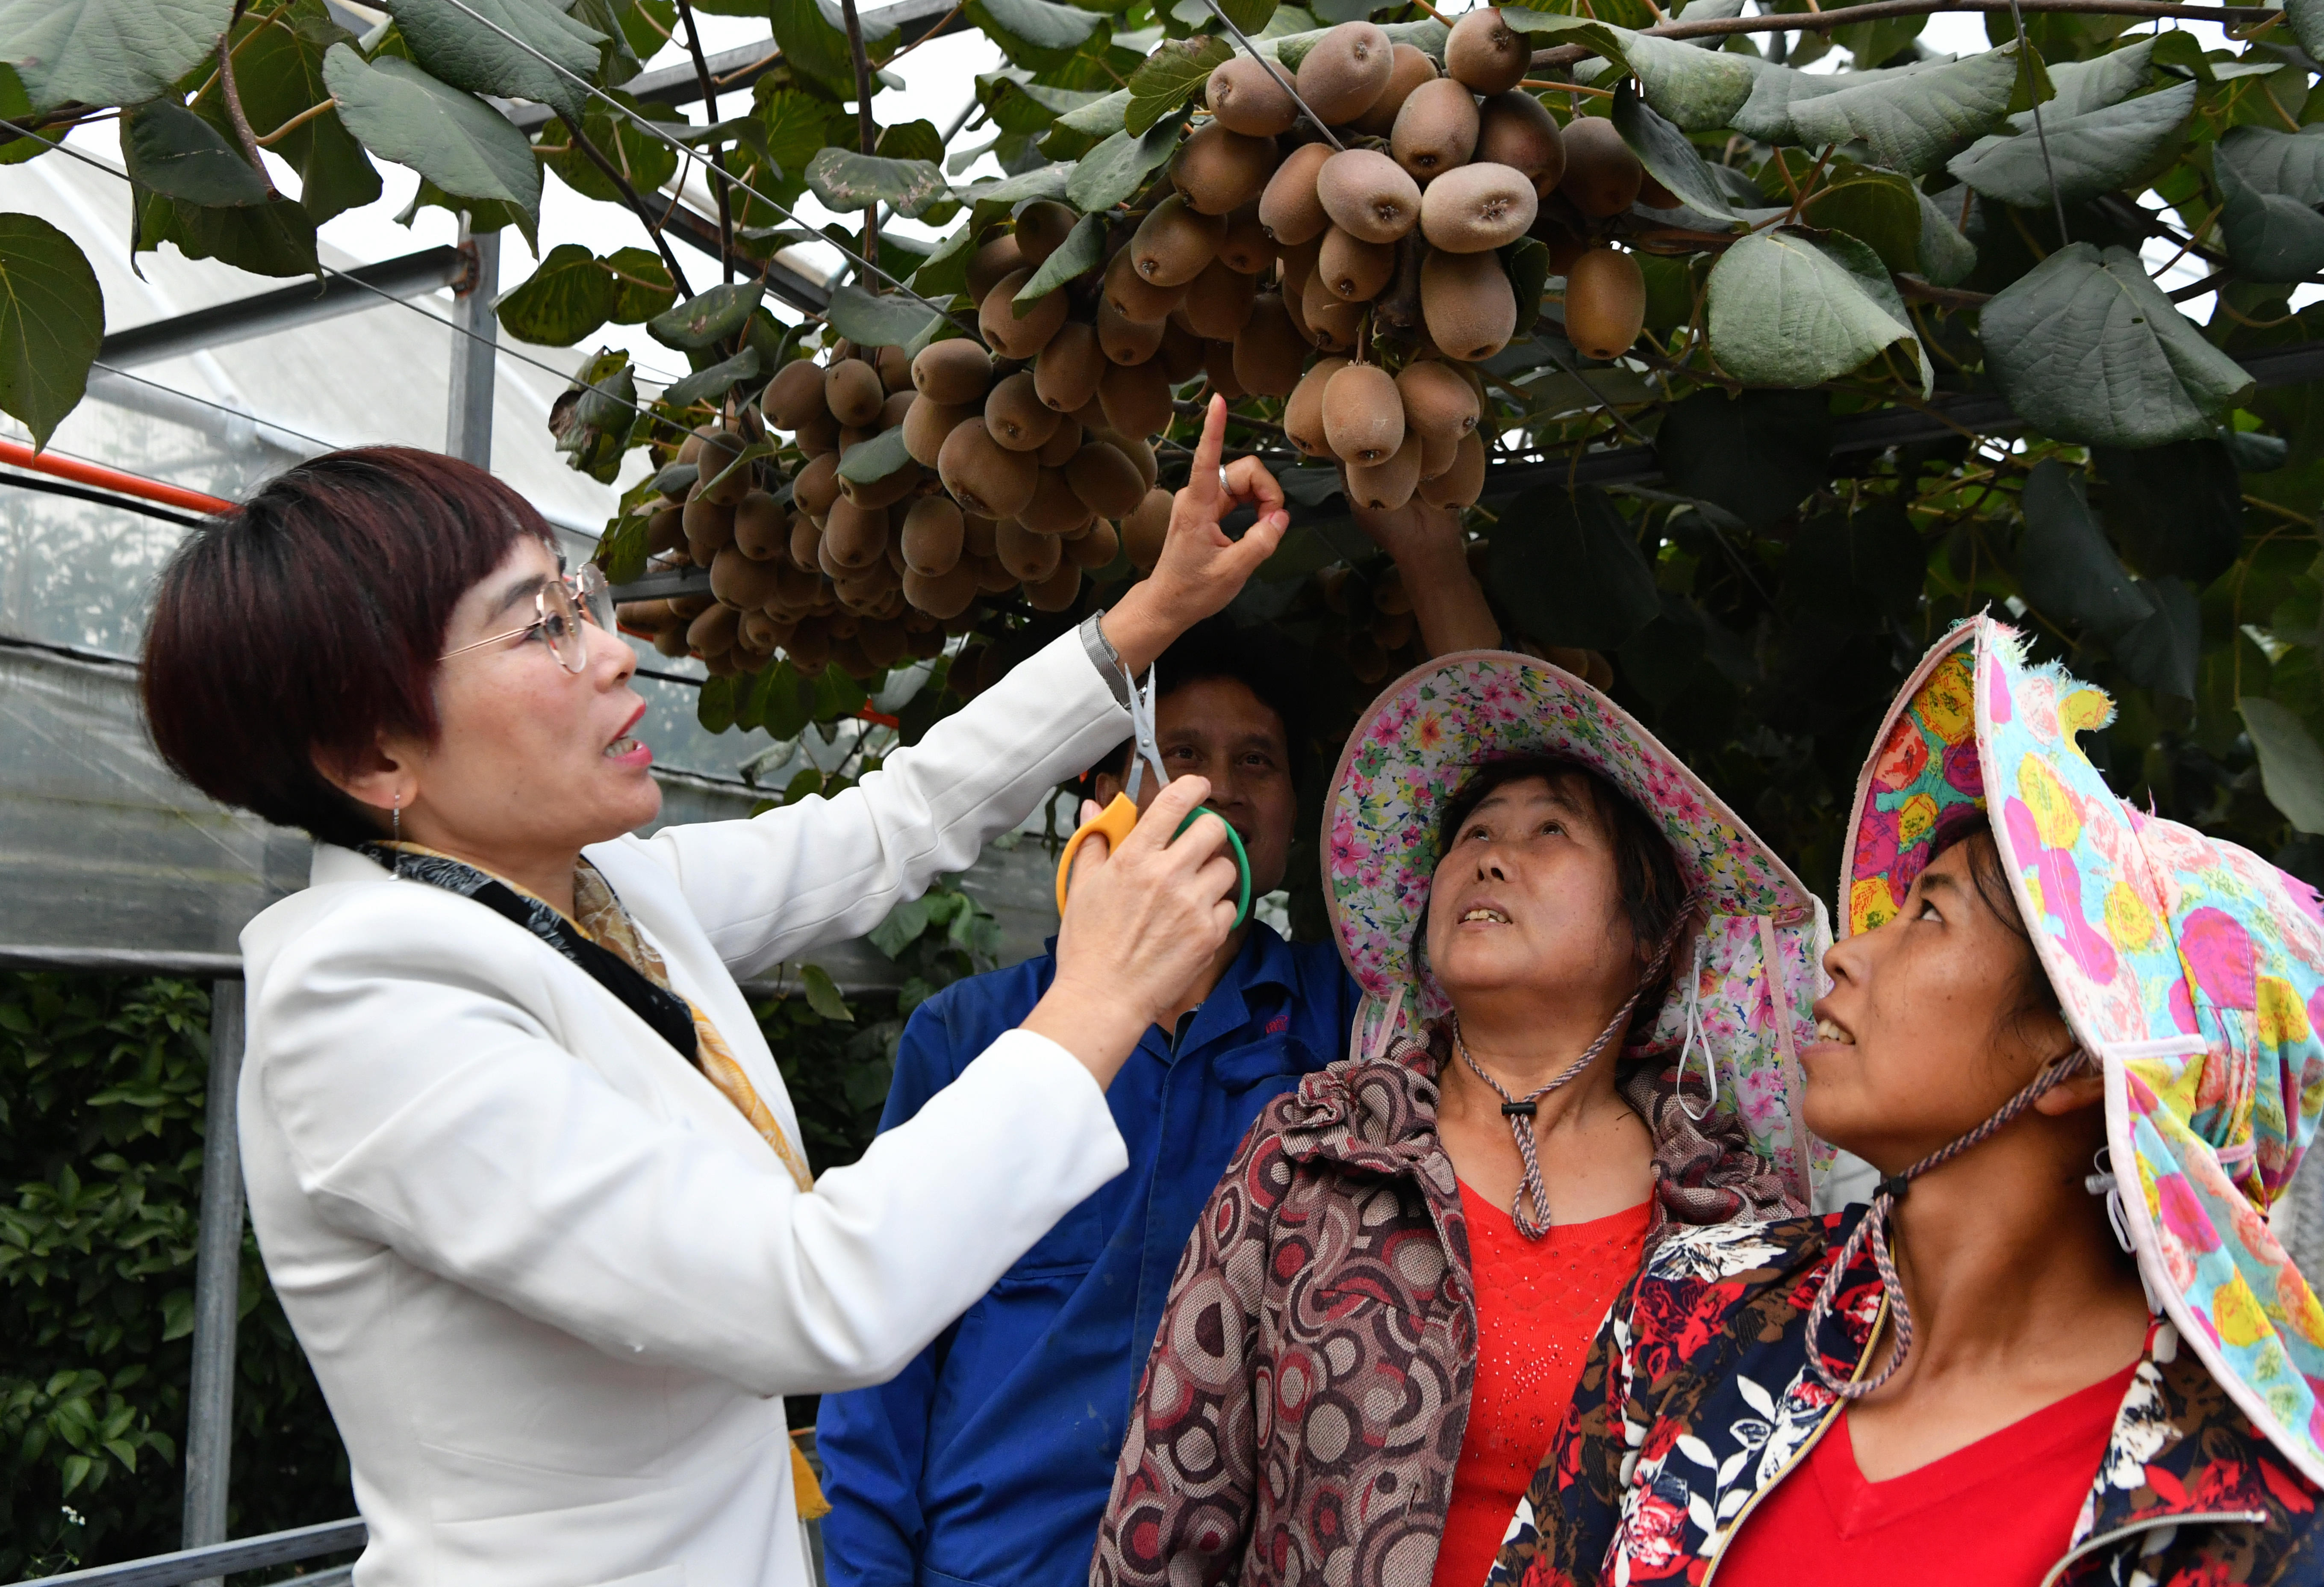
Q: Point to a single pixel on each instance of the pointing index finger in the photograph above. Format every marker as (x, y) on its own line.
(1205, 478)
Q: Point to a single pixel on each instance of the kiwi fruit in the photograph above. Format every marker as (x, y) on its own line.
(931, 537)
(1220, 169)
(1388, 484)
(1331, 319)
(927, 424)
(1054, 509)
(1601, 176)
(740, 580)
(709, 528)
(1351, 270)
(1303, 414)
(1436, 131)
(1124, 341)
(1094, 549)
(1565, 243)
(1174, 241)
(989, 262)
(984, 476)
(1015, 416)
(976, 533)
(1136, 299)
(1246, 98)
(1139, 452)
(1059, 448)
(1412, 70)
(852, 389)
(796, 391)
(895, 367)
(852, 436)
(854, 537)
(1344, 72)
(1135, 398)
(1363, 417)
(1290, 211)
(817, 485)
(1484, 52)
(796, 588)
(1218, 365)
(1367, 194)
(1270, 351)
(1042, 228)
(755, 633)
(952, 372)
(1146, 530)
(1605, 303)
(1437, 452)
(1181, 353)
(805, 538)
(1467, 303)
(1516, 130)
(884, 492)
(944, 595)
(1655, 196)
(1218, 301)
(1437, 402)
(1065, 375)
(1461, 484)
(1298, 262)
(817, 432)
(1057, 593)
(892, 411)
(666, 531)
(1014, 334)
(719, 450)
(691, 448)
(1246, 247)
(1028, 556)
(713, 633)
(1106, 480)
(1476, 208)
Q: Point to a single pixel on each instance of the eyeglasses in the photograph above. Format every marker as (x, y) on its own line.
(560, 607)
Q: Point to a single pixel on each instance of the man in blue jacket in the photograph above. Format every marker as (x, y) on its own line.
(987, 1462)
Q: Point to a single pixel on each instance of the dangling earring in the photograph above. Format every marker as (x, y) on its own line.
(395, 836)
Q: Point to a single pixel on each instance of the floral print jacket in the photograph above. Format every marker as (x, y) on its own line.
(1302, 1412)
(1697, 1400)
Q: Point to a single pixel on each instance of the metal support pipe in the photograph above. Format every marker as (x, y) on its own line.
(468, 425)
(410, 275)
(217, 1284)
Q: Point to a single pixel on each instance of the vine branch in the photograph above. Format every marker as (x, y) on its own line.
(716, 161)
(631, 196)
(1875, 10)
(867, 133)
(242, 132)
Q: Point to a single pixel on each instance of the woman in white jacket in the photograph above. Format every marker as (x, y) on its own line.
(521, 1164)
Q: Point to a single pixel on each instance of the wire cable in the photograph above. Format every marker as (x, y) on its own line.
(58, 487)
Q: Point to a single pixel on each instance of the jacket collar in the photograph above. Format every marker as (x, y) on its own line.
(1378, 1117)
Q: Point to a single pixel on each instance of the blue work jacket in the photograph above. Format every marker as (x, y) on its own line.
(988, 1461)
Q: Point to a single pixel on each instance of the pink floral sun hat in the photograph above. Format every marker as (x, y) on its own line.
(1744, 980)
(2191, 969)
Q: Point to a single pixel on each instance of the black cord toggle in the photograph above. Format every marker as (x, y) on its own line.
(1523, 1110)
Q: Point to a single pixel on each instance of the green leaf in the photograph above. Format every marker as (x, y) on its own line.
(823, 994)
(170, 149)
(1100, 119)
(945, 272)
(2161, 653)
(1788, 312)
(278, 55)
(2176, 509)
(812, 44)
(792, 124)
(1872, 43)
(1665, 151)
(879, 322)
(1914, 121)
(1034, 33)
(106, 51)
(1696, 90)
(274, 238)
(2097, 152)
(1250, 16)
(2290, 762)
(1526, 260)
(712, 383)
(2084, 86)
(455, 140)
(708, 317)
(2307, 24)
(644, 160)
(1083, 250)
(876, 459)
(911, 139)
(1567, 569)
(641, 285)
(1045, 181)
(75, 1470)
(902, 928)
(1119, 167)
(837, 695)
(459, 49)
(2066, 567)
(621, 549)
(1877, 208)
(1946, 255)
(1028, 108)
(780, 700)
(2287, 165)
(847, 181)
(567, 296)
(1757, 455)
(2269, 237)
(2086, 348)
(713, 708)
(1176, 71)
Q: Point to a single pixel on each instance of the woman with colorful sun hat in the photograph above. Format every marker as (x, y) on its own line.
(2062, 1345)
(1585, 980)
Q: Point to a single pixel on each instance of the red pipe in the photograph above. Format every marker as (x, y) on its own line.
(110, 479)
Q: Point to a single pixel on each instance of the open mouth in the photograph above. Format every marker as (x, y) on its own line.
(1484, 915)
(620, 747)
(1830, 1030)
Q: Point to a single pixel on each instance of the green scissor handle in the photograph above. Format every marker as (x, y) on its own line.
(1241, 860)
(1115, 824)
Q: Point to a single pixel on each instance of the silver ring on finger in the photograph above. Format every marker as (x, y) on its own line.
(1224, 489)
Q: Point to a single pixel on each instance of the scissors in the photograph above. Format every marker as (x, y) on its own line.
(1114, 822)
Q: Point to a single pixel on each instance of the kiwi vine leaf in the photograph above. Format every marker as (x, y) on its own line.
(1797, 366)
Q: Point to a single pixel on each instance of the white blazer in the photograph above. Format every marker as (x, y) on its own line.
(552, 1283)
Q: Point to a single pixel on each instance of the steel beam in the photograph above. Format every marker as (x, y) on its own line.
(475, 335)
(410, 275)
(248, 1553)
(218, 1286)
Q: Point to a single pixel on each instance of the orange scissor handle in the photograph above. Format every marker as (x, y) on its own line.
(1114, 822)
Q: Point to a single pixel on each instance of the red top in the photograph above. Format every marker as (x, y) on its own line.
(1539, 1303)
(1999, 1512)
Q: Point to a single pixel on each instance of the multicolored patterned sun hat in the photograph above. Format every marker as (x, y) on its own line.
(1745, 981)
(2193, 969)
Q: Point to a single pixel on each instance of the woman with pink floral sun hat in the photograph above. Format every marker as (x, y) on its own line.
(1585, 983)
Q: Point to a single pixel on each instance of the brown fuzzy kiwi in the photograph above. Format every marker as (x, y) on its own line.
(1246, 247)
(810, 646)
(1218, 301)
(1605, 303)
(1090, 415)
(1436, 130)
(1124, 341)
(1015, 335)
(1303, 414)
(1331, 320)
(818, 432)
(1218, 365)
(927, 424)
(1028, 556)
(882, 639)
(1106, 480)
(1146, 528)
(1354, 271)
(671, 640)
(976, 534)
(1174, 241)
(994, 260)
(718, 453)
(1476, 208)
(1344, 72)
(666, 531)
(1219, 170)
(991, 578)
(1140, 454)
(1388, 484)
(1181, 354)
(1290, 211)
(1461, 484)
(1601, 175)
(852, 389)
(709, 529)
(895, 367)
(1136, 299)
(1059, 448)
(740, 580)
(883, 492)
(1471, 307)
(1655, 196)
(1042, 228)
(798, 587)
(984, 476)
(1367, 193)
(854, 537)
(757, 634)
(953, 372)
(1135, 398)
(1015, 416)
(713, 633)
(1363, 417)
(1486, 53)
(1270, 351)
(1565, 243)
(1095, 550)
(1297, 263)
(1437, 452)
(1057, 593)
(931, 537)
(1055, 508)
(1437, 402)
(944, 595)
(691, 448)
(1065, 375)
(892, 411)
(1294, 303)
(1516, 130)
(805, 538)
(852, 436)
(1412, 70)
(796, 391)
(1246, 98)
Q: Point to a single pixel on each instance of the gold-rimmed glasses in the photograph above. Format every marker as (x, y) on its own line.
(560, 606)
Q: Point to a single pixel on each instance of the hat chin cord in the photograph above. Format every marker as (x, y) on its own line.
(1873, 1227)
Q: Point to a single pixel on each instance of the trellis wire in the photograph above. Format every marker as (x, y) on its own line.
(1268, 67)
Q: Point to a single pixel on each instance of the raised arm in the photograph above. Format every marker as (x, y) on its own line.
(1447, 603)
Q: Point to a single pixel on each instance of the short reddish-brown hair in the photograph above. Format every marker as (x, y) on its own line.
(310, 619)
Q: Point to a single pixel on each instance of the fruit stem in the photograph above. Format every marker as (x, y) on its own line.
(1567, 87)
